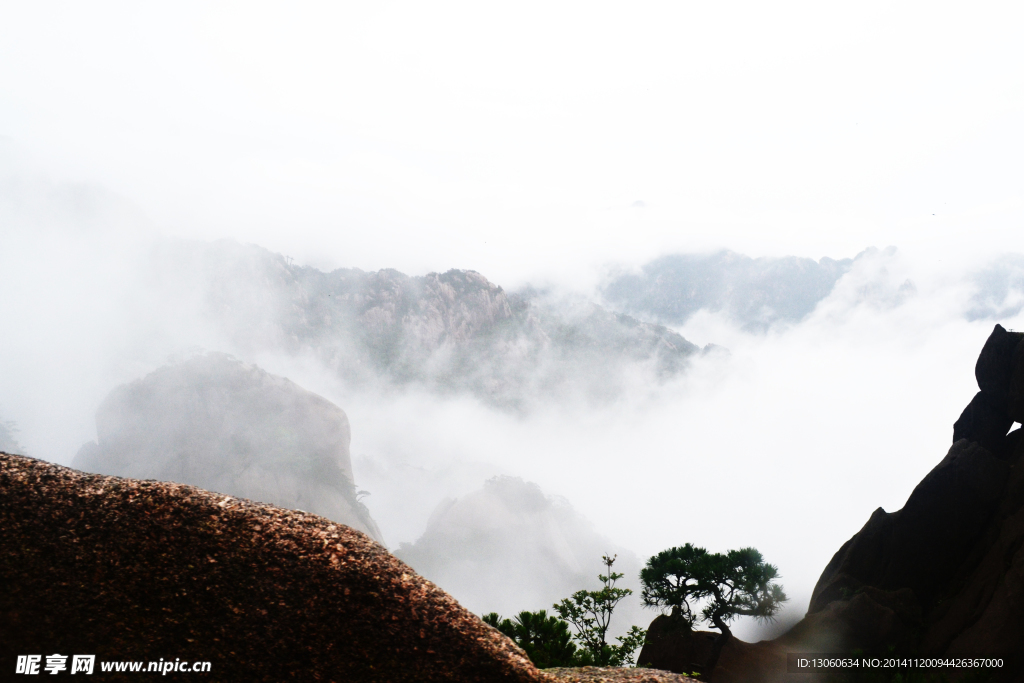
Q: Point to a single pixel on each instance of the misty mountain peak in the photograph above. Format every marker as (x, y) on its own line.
(510, 546)
(756, 292)
(450, 332)
(216, 422)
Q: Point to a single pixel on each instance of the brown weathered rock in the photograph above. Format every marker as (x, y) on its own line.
(143, 570)
(132, 570)
(595, 674)
(679, 649)
(871, 620)
(674, 646)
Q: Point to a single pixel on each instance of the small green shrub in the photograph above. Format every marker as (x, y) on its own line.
(546, 640)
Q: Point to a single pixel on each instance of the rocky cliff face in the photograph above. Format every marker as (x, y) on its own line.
(215, 422)
(943, 576)
(948, 569)
(450, 332)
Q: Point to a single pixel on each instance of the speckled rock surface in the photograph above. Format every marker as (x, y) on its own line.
(595, 674)
(143, 570)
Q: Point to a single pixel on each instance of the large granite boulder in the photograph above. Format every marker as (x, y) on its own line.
(145, 571)
(215, 422)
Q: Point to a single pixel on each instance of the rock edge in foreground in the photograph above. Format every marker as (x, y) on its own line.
(142, 570)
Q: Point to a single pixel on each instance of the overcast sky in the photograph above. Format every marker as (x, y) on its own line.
(542, 142)
(517, 138)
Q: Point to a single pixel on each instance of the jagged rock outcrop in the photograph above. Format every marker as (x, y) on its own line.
(943, 576)
(215, 422)
(994, 369)
(509, 547)
(133, 570)
(949, 566)
(921, 548)
(987, 418)
(450, 332)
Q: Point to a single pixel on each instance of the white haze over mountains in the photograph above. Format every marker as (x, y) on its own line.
(561, 146)
(785, 439)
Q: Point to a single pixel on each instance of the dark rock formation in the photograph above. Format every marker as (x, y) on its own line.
(943, 576)
(985, 422)
(142, 570)
(674, 646)
(1015, 393)
(922, 546)
(945, 573)
(995, 363)
(987, 418)
(217, 423)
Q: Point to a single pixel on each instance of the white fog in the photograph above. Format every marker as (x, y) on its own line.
(555, 147)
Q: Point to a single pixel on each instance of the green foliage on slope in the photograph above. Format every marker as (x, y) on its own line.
(548, 641)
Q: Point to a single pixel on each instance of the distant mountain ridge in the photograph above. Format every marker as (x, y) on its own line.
(756, 292)
(452, 332)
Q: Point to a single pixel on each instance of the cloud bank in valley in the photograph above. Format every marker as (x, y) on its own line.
(791, 431)
(631, 189)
